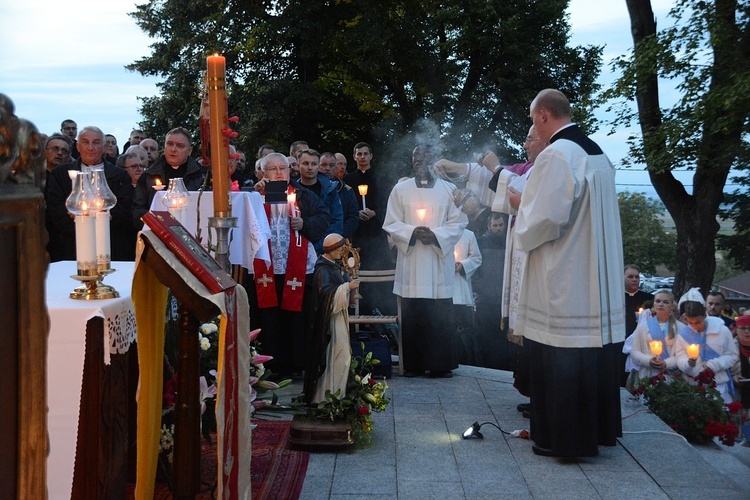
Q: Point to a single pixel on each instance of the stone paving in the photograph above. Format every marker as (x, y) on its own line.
(418, 453)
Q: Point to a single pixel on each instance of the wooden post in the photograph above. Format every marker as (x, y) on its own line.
(187, 471)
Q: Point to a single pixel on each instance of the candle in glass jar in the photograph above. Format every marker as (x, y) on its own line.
(158, 186)
(86, 244)
(693, 350)
(656, 347)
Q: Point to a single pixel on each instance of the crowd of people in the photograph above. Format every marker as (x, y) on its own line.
(534, 285)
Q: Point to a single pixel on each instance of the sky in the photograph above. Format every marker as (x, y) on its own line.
(55, 67)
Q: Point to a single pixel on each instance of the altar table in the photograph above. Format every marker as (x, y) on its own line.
(247, 241)
(88, 407)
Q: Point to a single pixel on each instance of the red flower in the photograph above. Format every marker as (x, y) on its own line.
(364, 410)
(234, 119)
(371, 381)
(705, 377)
(734, 407)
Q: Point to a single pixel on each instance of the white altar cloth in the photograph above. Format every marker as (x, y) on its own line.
(65, 356)
(247, 241)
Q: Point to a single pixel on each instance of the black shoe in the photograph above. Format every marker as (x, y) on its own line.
(412, 374)
(543, 452)
(523, 407)
(526, 413)
(441, 374)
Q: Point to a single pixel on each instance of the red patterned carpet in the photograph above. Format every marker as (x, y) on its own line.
(276, 470)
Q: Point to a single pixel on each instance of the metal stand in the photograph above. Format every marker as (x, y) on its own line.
(222, 226)
(93, 288)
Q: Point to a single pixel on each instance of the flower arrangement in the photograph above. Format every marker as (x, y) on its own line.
(364, 395)
(695, 411)
(261, 389)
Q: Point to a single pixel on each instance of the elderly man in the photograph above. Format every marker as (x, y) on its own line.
(347, 197)
(152, 149)
(425, 225)
(328, 347)
(140, 152)
(340, 170)
(571, 305)
(62, 243)
(175, 162)
(278, 287)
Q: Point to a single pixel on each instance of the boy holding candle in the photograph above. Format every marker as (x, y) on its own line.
(705, 348)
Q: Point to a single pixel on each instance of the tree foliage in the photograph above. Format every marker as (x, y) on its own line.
(335, 72)
(645, 242)
(707, 55)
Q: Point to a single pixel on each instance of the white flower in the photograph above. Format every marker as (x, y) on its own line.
(206, 392)
(205, 344)
(208, 328)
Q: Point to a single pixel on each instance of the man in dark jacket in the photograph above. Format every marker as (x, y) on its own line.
(308, 164)
(61, 226)
(276, 289)
(175, 162)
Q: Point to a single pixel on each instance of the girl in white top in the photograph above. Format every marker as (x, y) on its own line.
(662, 327)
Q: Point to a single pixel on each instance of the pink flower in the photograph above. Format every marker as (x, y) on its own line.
(235, 186)
(261, 358)
(254, 334)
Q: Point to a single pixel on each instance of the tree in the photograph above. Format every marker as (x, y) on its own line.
(644, 241)
(335, 72)
(707, 53)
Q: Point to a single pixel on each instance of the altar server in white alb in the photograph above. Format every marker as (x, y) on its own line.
(468, 259)
(571, 306)
(424, 225)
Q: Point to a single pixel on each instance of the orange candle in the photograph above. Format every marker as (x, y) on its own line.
(656, 347)
(693, 350)
(219, 120)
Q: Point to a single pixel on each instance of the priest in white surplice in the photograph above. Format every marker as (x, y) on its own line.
(571, 305)
(424, 224)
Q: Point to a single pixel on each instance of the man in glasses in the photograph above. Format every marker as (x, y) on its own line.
(133, 164)
(57, 151)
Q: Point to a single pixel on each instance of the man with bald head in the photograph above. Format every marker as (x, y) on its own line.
(327, 318)
(62, 242)
(152, 149)
(571, 306)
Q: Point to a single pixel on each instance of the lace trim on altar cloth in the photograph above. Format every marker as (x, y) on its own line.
(120, 331)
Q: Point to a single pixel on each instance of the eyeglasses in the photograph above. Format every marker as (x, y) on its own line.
(135, 167)
(271, 170)
(742, 328)
(58, 149)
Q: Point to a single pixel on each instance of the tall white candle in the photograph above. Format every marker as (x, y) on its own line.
(86, 244)
(103, 249)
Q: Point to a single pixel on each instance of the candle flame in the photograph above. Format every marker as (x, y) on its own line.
(656, 347)
(362, 189)
(291, 198)
(421, 213)
(158, 182)
(84, 206)
(693, 350)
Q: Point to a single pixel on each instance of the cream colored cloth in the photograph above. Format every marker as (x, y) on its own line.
(568, 224)
(149, 299)
(467, 253)
(424, 271)
(338, 352)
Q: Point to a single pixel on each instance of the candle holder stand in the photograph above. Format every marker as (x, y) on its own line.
(222, 225)
(93, 288)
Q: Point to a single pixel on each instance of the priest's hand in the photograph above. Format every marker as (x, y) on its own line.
(366, 214)
(425, 235)
(260, 186)
(450, 167)
(514, 198)
(297, 223)
(354, 284)
(490, 161)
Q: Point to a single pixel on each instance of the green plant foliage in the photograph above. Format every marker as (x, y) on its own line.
(337, 72)
(645, 242)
